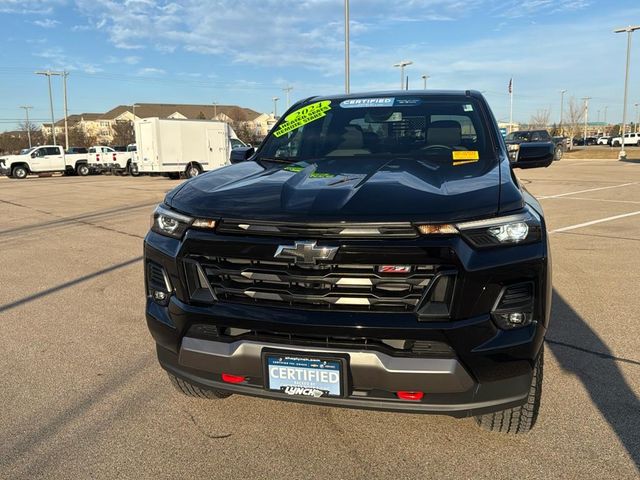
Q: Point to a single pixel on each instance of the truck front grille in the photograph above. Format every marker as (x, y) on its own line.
(328, 286)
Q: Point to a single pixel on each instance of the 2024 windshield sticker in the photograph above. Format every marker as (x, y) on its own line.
(302, 116)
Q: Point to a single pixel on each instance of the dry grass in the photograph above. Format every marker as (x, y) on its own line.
(606, 153)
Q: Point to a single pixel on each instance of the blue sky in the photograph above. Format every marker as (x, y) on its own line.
(244, 52)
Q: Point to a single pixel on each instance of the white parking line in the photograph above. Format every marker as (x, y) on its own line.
(585, 191)
(593, 222)
(606, 200)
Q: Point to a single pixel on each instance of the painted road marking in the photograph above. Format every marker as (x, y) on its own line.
(588, 190)
(593, 222)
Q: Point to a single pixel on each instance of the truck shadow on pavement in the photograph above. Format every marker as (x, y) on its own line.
(579, 350)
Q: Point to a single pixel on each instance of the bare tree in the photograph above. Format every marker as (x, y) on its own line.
(123, 133)
(540, 119)
(245, 131)
(575, 115)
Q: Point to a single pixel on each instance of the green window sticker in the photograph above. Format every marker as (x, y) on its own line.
(302, 116)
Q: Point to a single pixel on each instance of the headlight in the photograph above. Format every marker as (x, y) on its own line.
(507, 230)
(174, 224)
(491, 232)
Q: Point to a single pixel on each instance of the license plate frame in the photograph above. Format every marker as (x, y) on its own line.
(329, 360)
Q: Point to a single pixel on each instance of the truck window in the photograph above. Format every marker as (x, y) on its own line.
(51, 150)
(436, 133)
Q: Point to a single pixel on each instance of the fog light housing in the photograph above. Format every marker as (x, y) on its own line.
(510, 320)
(159, 296)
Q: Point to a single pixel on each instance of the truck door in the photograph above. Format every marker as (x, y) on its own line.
(38, 161)
(55, 158)
(217, 148)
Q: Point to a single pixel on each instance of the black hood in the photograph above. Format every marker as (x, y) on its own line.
(342, 189)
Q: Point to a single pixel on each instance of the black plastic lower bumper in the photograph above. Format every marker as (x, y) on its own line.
(448, 391)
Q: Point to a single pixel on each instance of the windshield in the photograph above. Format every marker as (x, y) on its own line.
(438, 131)
(523, 136)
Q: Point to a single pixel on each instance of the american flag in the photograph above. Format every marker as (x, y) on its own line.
(511, 85)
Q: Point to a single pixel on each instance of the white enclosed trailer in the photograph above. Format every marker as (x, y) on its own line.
(173, 146)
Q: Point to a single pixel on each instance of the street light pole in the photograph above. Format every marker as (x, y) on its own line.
(346, 47)
(275, 107)
(586, 117)
(424, 80)
(629, 31)
(215, 110)
(287, 90)
(562, 92)
(65, 74)
(402, 64)
(26, 111)
(48, 74)
(637, 117)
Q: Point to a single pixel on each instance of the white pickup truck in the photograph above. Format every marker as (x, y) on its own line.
(44, 159)
(101, 158)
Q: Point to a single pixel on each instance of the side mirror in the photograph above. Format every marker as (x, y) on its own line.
(241, 154)
(533, 155)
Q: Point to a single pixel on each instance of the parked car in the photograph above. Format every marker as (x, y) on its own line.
(582, 141)
(359, 259)
(537, 136)
(74, 150)
(43, 159)
(604, 140)
(629, 139)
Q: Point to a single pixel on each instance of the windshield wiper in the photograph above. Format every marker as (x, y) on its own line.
(278, 160)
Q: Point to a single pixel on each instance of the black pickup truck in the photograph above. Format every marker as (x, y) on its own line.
(538, 136)
(377, 251)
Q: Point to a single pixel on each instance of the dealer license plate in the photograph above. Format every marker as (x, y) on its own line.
(304, 375)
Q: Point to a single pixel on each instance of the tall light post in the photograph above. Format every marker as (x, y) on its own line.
(287, 90)
(346, 47)
(629, 31)
(586, 117)
(637, 117)
(424, 81)
(26, 111)
(275, 107)
(215, 110)
(64, 75)
(562, 92)
(402, 64)
(48, 74)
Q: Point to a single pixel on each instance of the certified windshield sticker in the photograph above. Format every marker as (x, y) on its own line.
(367, 102)
(462, 157)
(302, 116)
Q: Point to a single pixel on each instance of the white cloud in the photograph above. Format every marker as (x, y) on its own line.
(29, 7)
(150, 72)
(46, 23)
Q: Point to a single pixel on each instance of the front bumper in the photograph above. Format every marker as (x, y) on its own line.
(486, 369)
(373, 378)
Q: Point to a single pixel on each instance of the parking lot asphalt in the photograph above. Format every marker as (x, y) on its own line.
(82, 395)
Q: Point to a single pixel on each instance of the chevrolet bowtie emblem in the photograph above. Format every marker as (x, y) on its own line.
(305, 252)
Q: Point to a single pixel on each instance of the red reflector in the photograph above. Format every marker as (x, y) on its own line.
(233, 378)
(410, 395)
(394, 268)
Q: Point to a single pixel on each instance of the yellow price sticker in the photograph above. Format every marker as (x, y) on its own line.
(465, 155)
(302, 116)
(461, 157)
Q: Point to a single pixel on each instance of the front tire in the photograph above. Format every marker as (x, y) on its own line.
(19, 172)
(193, 170)
(190, 390)
(559, 153)
(82, 170)
(518, 419)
